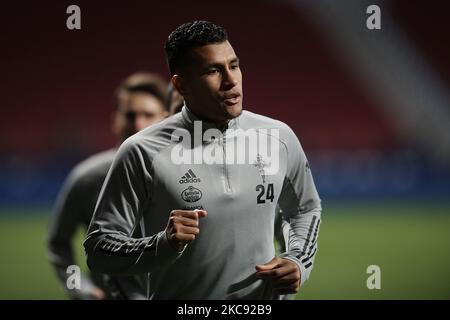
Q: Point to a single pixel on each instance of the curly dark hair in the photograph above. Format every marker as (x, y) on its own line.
(190, 35)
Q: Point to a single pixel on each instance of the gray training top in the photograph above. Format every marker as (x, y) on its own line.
(145, 183)
(74, 208)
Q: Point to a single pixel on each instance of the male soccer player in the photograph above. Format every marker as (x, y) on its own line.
(208, 220)
(140, 103)
(175, 104)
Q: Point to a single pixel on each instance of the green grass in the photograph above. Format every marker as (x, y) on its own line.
(410, 243)
(24, 270)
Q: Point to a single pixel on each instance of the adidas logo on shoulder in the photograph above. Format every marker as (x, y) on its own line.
(189, 177)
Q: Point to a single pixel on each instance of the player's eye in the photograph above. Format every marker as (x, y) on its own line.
(212, 71)
(148, 115)
(130, 116)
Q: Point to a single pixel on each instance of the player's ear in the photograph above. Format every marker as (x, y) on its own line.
(180, 84)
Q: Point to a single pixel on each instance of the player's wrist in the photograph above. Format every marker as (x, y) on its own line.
(298, 264)
(165, 252)
(174, 243)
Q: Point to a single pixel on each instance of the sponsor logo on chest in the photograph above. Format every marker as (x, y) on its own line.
(191, 194)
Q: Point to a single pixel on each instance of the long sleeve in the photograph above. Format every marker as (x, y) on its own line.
(66, 218)
(301, 208)
(126, 192)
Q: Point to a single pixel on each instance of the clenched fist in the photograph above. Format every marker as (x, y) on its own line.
(183, 227)
(283, 274)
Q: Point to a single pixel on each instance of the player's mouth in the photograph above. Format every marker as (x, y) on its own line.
(231, 99)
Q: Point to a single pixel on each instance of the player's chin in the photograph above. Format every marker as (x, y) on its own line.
(234, 110)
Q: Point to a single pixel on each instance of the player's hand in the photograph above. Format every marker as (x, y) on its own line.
(98, 294)
(93, 293)
(183, 227)
(283, 274)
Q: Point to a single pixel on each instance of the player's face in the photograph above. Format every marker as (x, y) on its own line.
(136, 112)
(213, 82)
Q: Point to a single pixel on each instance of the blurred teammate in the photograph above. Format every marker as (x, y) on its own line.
(209, 226)
(140, 102)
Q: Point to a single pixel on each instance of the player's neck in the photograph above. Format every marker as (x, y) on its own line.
(221, 125)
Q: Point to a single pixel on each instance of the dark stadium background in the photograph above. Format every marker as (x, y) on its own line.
(379, 146)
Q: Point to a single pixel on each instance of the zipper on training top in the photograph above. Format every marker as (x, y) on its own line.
(225, 167)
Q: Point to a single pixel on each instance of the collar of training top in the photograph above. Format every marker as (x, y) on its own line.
(189, 118)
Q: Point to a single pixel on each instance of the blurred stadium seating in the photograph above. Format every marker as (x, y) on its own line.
(59, 88)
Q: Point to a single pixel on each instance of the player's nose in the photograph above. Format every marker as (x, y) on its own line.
(140, 123)
(229, 80)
